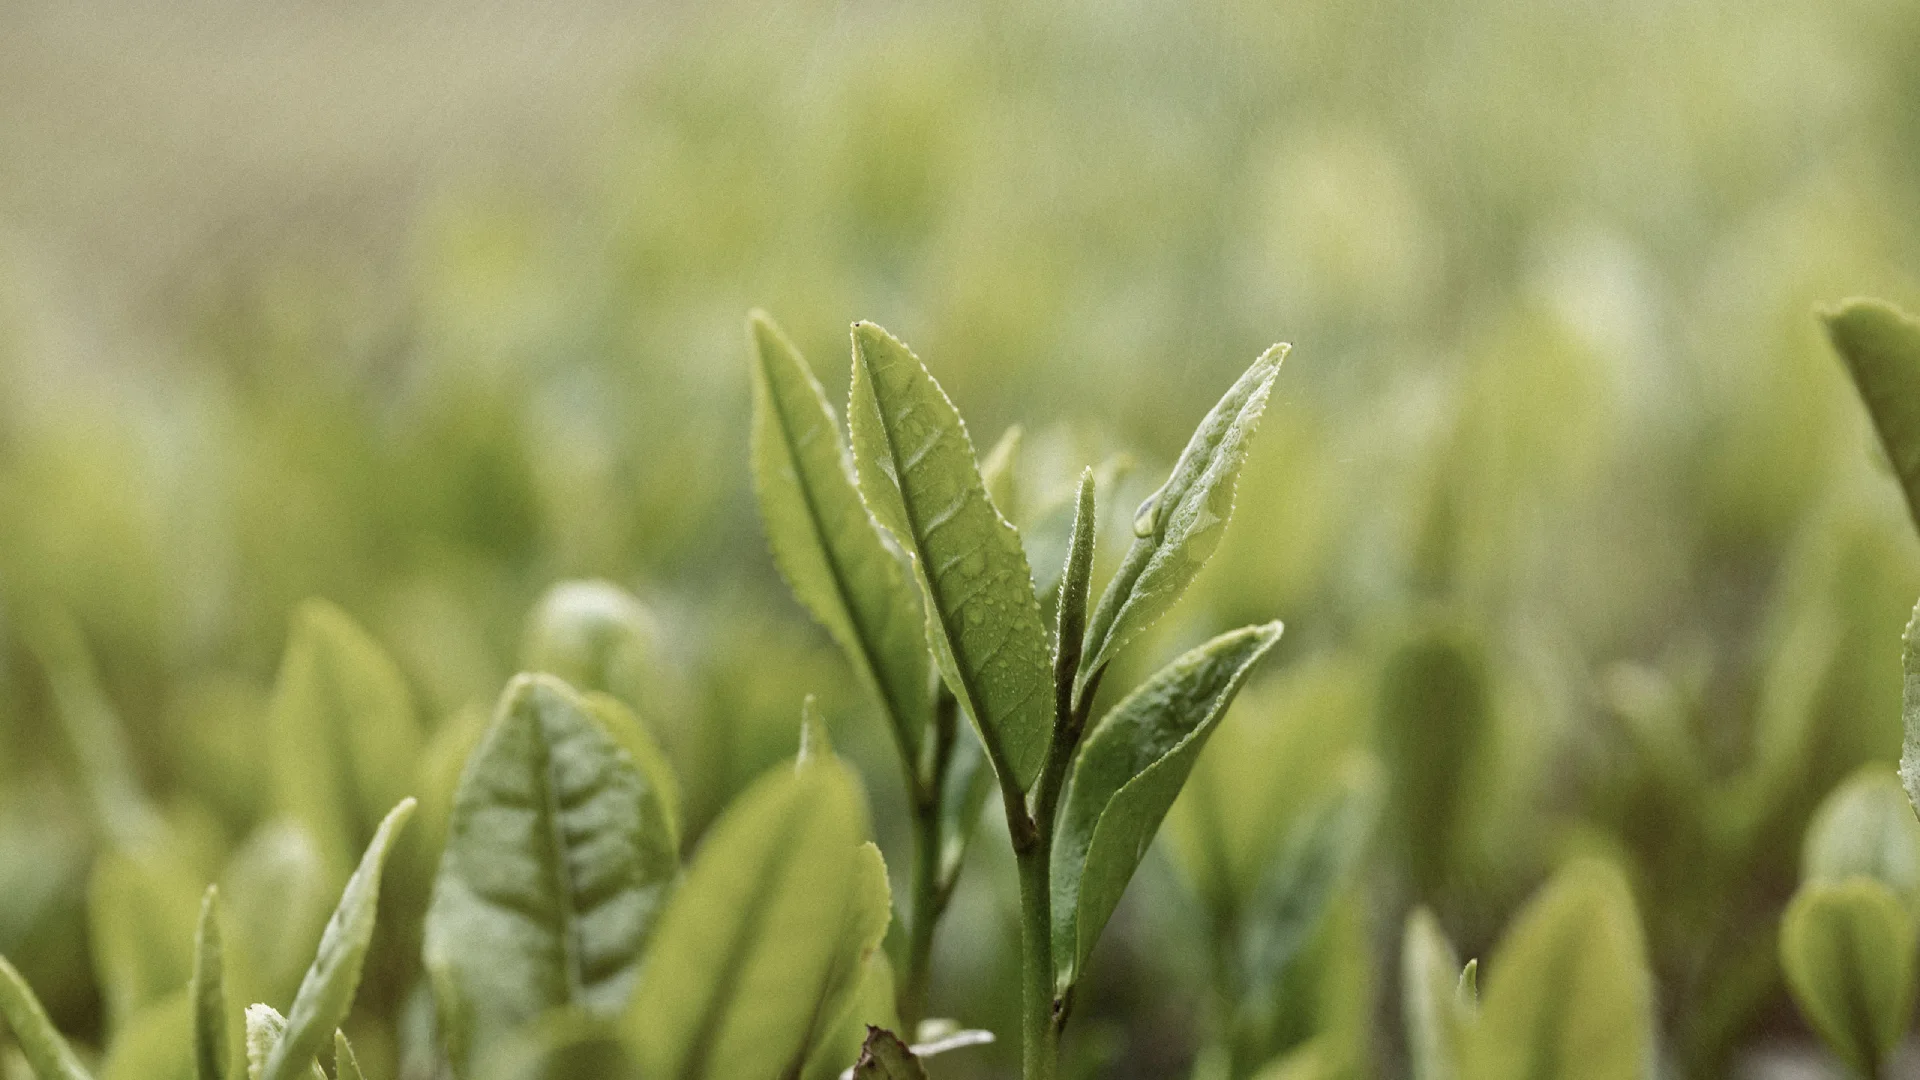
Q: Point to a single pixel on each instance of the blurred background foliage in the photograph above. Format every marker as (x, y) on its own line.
(1578, 531)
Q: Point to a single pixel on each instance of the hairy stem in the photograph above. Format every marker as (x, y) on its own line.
(1039, 1031)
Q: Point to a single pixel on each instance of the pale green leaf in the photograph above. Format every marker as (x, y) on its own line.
(863, 922)
(1847, 948)
(208, 989)
(595, 636)
(141, 909)
(1131, 769)
(156, 1043)
(824, 541)
(559, 856)
(1180, 525)
(275, 901)
(265, 1026)
(919, 475)
(1435, 1013)
(1866, 828)
(873, 1005)
(565, 1044)
(342, 735)
(326, 993)
(46, 1051)
(884, 1057)
(761, 932)
(1568, 995)
(999, 471)
(1881, 347)
(815, 742)
(346, 1066)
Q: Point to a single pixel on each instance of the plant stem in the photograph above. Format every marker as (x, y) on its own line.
(929, 893)
(1039, 1031)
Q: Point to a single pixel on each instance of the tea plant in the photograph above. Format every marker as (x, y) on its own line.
(909, 501)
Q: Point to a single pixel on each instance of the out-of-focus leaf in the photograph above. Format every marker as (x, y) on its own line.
(1434, 713)
(1848, 951)
(1568, 995)
(863, 922)
(969, 785)
(1319, 860)
(327, 992)
(1131, 769)
(763, 932)
(156, 1043)
(825, 542)
(884, 1057)
(342, 736)
(1866, 828)
(566, 1044)
(1881, 346)
(140, 912)
(559, 855)
(1434, 1006)
(346, 1065)
(1180, 525)
(46, 1051)
(999, 471)
(595, 636)
(275, 901)
(918, 473)
(212, 1051)
(873, 1005)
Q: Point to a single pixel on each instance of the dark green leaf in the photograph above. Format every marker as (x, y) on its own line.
(1075, 581)
(327, 992)
(884, 1057)
(46, 1051)
(342, 733)
(1848, 951)
(1568, 993)
(211, 1052)
(559, 856)
(1134, 763)
(1180, 525)
(1434, 712)
(1881, 346)
(918, 473)
(824, 541)
(763, 932)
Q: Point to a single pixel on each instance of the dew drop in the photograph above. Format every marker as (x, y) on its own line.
(1147, 518)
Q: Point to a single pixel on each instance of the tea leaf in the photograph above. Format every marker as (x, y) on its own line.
(824, 541)
(1848, 951)
(1434, 712)
(999, 472)
(265, 1026)
(918, 473)
(346, 1066)
(1866, 828)
(156, 1043)
(1881, 347)
(566, 1044)
(327, 992)
(559, 855)
(1180, 525)
(1075, 580)
(763, 932)
(275, 902)
(1437, 1015)
(343, 736)
(863, 922)
(872, 1006)
(594, 635)
(1129, 773)
(46, 1051)
(884, 1057)
(208, 989)
(1568, 996)
(140, 913)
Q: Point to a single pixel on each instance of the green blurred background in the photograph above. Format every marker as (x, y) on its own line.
(422, 308)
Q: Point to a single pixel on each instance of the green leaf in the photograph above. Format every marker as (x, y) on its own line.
(1179, 526)
(346, 1066)
(1848, 951)
(156, 1043)
(559, 856)
(815, 742)
(764, 932)
(208, 989)
(46, 1051)
(1131, 769)
(918, 472)
(1910, 709)
(1866, 828)
(327, 992)
(140, 913)
(826, 544)
(1436, 1013)
(342, 733)
(265, 1026)
(1434, 712)
(968, 786)
(872, 1006)
(566, 1044)
(999, 472)
(1568, 996)
(1881, 347)
(594, 635)
(1075, 581)
(275, 901)
(863, 922)
(884, 1057)
(1319, 860)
